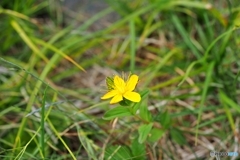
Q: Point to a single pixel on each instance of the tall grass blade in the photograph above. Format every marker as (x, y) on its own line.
(206, 85)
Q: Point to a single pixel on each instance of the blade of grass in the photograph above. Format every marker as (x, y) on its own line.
(33, 75)
(42, 139)
(160, 65)
(226, 101)
(204, 96)
(193, 4)
(202, 35)
(177, 79)
(86, 143)
(212, 120)
(51, 47)
(185, 36)
(27, 40)
(133, 45)
(159, 5)
(95, 18)
(215, 41)
(204, 59)
(60, 138)
(20, 154)
(236, 78)
(150, 27)
(210, 32)
(229, 102)
(44, 73)
(36, 8)
(15, 14)
(188, 72)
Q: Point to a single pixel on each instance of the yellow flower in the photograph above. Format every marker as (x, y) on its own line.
(120, 89)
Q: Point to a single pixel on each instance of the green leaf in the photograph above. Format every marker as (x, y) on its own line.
(138, 150)
(119, 111)
(143, 94)
(117, 152)
(145, 114)
(229, 101)
(156, 134)
(125, 102)
(177, 136)
(143, 131)
(226, 101)
(164, 119)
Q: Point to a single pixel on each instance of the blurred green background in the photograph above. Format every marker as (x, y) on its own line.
(57, 54)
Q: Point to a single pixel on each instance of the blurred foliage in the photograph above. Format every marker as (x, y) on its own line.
(186, 53)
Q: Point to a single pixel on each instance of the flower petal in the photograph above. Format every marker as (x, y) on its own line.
(132, 82)
(132, 96)
(117, 98)
(110, 94)
(119, 84)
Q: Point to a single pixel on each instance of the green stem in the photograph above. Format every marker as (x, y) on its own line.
(42, 123)
(133, 46)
